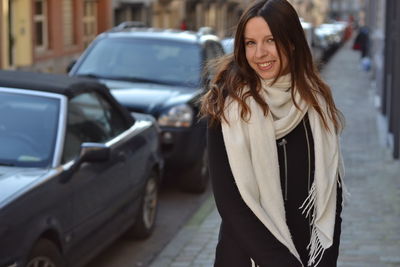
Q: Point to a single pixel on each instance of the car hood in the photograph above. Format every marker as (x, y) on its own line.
(149, 97)
(15, 180)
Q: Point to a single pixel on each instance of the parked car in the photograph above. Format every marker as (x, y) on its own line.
(160, 72)
(328, 37)
(227, 44)
(77, 170)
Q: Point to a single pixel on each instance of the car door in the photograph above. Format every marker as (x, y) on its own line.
(101, 190)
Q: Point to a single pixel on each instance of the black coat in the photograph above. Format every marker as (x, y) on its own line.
(242, 234)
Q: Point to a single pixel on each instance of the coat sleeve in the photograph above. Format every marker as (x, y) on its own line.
(251, 235)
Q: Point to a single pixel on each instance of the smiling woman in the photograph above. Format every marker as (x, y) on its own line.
(274, 156)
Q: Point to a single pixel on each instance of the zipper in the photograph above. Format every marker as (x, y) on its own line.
(283, 143)
(309, 165)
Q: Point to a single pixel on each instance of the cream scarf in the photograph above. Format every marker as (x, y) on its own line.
(253, 158)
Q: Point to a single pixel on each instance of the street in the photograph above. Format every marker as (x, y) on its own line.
(175, 209)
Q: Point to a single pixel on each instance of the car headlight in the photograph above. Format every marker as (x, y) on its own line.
(177, 116)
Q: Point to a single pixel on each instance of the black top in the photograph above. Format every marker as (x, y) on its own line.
(243, 235)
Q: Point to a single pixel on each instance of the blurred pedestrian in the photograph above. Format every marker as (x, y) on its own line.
(361, 42)
(273, 148)
(183, 25)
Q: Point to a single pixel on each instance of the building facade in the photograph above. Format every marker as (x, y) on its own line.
(133, 10)
(312, 11)
(45, 35)
(5, 34)
(221, 15)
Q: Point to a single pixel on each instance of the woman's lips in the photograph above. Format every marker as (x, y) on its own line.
(265, 66)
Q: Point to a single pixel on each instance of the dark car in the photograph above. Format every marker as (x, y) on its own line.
(160, 72)
(76, 170)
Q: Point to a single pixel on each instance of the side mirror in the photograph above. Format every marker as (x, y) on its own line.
(70, 65)
(92, 152)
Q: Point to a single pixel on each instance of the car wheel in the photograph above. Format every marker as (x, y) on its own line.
(196, 179)
(45, 254)
(145, 221)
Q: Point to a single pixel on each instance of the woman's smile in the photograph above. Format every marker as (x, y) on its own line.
(266, 66)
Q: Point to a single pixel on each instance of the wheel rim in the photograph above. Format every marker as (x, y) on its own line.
(150, 203)
(41, 261)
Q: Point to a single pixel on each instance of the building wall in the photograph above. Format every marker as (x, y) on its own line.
(313, 11)
(22, 33)
(105, 15)
(65, 33)
(219, 15)
(383, 20)
(391, 79)
(133, 10)
(4, 45)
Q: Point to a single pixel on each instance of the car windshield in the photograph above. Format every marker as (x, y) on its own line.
(28, 129)
(144, 60)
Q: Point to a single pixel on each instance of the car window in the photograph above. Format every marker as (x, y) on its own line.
(91, 118)
(144, 60)
(28, 129)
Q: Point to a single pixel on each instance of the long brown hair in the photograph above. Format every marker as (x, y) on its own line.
(233, 72)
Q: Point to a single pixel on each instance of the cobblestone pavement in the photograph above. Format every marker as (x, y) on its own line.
(371, 216)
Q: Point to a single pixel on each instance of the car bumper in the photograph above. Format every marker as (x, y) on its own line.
(182, 147)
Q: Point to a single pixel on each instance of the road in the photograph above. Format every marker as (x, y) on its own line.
(175, 209)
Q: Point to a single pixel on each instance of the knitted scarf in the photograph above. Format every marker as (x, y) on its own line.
(253, 158)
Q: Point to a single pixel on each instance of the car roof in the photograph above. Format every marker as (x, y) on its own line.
(59, 84)
(160, 34)
(46, 82)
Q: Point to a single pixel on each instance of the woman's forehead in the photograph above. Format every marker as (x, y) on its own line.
(256, 27)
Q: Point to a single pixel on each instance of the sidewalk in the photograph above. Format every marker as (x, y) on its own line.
(371, 217)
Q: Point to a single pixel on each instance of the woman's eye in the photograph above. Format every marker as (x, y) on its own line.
(270, 40)
(248, 43)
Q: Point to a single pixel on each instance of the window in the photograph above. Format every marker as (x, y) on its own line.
(89, 21)
(28, 136)
(91, 118)
(68, 22)
(156, 60)
(40, 25)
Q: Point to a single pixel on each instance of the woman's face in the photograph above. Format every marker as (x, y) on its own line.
(261, 50)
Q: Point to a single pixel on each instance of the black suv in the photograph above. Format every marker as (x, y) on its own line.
(160, 72)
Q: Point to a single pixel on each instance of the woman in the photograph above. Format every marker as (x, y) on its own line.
(274, 155)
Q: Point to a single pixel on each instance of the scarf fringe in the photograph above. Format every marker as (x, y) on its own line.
(315, 246)
(309, 203)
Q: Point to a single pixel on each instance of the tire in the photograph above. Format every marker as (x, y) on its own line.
(146, 217)
(45, 254)
(196, 179)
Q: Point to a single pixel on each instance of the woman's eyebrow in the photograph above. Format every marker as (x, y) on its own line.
(266, 36)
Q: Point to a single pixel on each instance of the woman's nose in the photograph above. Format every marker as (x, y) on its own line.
(261, 51)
